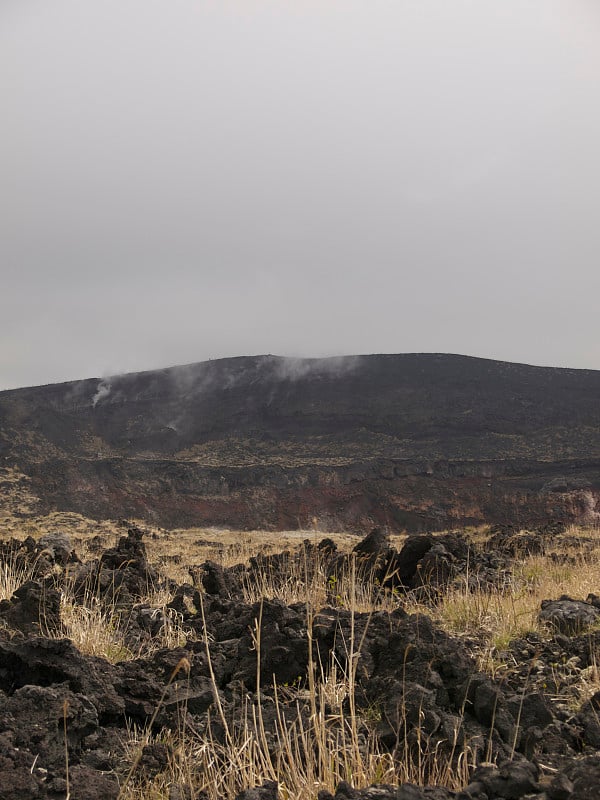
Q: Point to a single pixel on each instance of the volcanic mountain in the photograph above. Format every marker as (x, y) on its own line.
(409, 441)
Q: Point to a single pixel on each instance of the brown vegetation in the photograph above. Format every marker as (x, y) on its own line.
(341, 703)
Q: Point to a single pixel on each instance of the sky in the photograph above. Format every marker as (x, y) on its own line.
(194, 179)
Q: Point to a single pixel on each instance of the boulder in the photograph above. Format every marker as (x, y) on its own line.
(569, 616)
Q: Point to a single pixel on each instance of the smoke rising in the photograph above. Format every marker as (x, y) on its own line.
(102, 392)
(293, 369)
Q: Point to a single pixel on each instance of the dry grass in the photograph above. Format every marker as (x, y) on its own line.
(320, 736)
(100, 628)
(227, 548)
(94, 629)
(13, 574)
(312, 583)
(323, 741)
(496, 616)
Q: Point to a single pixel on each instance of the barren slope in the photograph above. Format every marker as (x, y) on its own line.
(413, 441)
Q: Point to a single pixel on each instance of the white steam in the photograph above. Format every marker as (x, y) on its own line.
(102, 391)
(293, 369)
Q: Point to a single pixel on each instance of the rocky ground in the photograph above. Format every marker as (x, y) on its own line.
(215, 687)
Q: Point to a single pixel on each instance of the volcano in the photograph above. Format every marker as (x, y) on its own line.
(412, 442)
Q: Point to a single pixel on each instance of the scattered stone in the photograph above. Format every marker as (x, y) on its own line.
(589, 720)
(511, 781)
(407, 560)
(268, 791)
(59, 546)
(561, 788)
(214, 580)
(417, 688)
(33, 608)
(375, 544)
(569, 616)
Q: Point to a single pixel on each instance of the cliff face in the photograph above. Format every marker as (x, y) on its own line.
(412, 441)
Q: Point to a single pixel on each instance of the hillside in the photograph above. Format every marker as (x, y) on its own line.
(412, 441)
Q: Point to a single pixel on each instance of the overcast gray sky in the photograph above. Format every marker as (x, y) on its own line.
(191, 179)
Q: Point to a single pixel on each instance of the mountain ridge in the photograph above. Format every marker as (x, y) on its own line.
(260, 356)
(413, 440)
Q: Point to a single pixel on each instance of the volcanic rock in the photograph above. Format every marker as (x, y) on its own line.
(569, 616)
(34, 607)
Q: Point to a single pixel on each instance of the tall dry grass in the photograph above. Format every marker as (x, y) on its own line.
(97, 626)
(318, 735)
(14, 572)
(316, 738)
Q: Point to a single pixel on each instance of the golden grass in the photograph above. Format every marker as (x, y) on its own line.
(496, 616)
(322, 742)
(321, 736)
(228, 547)
(98, 628)
(94, 629)
(13, 574)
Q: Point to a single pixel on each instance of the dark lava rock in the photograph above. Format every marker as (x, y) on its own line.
(531, 709)
(421, 680)
(569, 616)
(408, 791)
(185, 601)
(45, 662)
(511, 781)
(585, 776)
(89, 784)
(215, 579)
(515, 543)
(125, 568)
(154, 759)
(327, 546)
(561, 788)
(413, 550)
(283, 645)
(129, 552)
(33, 608)
(32, 745)
(435, 569)
(589, 720)
(19, 779)
(375, 544)
(418, 690)
(120, 578)
(58, 545)
(268, 791)
(47, 710)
